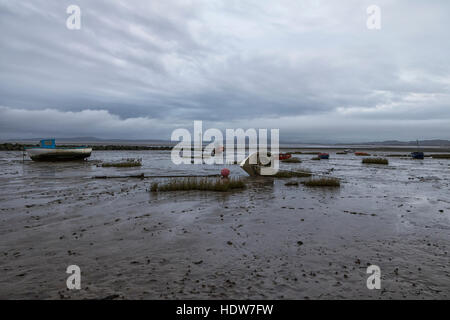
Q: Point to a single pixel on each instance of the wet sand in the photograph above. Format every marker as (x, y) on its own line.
(270, 241)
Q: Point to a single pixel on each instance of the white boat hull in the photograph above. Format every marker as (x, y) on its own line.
(58, 154)
(258, 164)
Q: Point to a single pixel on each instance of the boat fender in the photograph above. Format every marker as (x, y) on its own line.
(225, 173)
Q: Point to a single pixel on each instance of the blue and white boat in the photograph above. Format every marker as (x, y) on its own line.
(48, 151)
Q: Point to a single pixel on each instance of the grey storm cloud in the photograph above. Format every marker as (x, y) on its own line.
(139, 69)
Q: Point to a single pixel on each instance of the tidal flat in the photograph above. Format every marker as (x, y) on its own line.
(267, 241)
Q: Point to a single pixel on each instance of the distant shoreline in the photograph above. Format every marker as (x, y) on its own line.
(287, 148)
(20, 147)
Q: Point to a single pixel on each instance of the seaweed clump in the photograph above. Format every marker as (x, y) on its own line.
(124, 164)
(323, 182)
(199, 184)
(375, 161)
(292, 174)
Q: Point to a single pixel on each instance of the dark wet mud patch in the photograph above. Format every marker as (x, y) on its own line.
(323, 182)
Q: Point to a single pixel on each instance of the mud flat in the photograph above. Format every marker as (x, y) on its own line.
(266, 241)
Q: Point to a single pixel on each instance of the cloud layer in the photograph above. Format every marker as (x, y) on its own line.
(139, 69)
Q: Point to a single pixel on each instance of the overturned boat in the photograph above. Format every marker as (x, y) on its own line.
(48, 151)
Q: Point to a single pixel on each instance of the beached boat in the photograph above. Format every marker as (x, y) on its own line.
(417, 155)
(48, 151)
(258, 164)
(323, 155)
(284, 156)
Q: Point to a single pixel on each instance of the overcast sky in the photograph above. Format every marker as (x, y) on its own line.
(139, 69)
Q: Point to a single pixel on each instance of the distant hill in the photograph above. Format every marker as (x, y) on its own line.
(94, 140)
(100, 141)
(430, 143)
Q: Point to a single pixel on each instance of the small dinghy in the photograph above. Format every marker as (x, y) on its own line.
(48, 151)
(417, 155)
(284, 156)
(323, 155)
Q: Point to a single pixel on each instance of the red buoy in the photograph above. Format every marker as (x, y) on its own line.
(225, 172)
